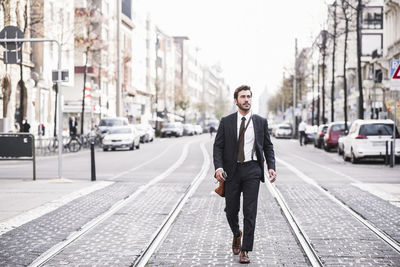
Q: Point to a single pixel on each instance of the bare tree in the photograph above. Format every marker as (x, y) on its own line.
(6, 79)
(22, 23)
(88, 40)
(359, 78)
(333, 61)
(345, 8)
(322, 47)
(283, 99)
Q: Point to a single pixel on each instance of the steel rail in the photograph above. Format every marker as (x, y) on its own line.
(381, 234)
(159, 236)
(300, 235)
(56, 249)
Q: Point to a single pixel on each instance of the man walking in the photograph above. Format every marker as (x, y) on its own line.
(240, 145)
(302, 131)
(73, 124)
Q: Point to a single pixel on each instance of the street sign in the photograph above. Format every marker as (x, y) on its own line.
(12, 57)
(11, 32)
(395, 74)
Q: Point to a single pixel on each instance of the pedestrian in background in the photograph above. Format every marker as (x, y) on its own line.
(25, 126)
(240, 145)
(302, 132)
(73, 124)
(212, 130)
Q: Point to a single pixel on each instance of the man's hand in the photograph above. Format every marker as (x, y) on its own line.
(218, 175)
(272, 175)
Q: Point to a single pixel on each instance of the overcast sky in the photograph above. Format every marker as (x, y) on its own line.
(252, 39)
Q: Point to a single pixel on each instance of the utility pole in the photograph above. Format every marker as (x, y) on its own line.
(118, 93)
(295, 91)
(157, 86)
(313, 101)
(359, 77)
(323, 47)
(318, 101)
(333, 63)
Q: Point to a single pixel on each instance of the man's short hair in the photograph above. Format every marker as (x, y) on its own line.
(241, 88)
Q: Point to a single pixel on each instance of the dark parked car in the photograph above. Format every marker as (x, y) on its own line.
(319, 138)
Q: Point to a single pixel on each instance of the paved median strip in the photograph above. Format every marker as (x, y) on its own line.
(35, 213)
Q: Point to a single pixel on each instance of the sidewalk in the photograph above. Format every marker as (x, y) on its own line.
(22, 200)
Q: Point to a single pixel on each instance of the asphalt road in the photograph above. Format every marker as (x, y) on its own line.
(152, 179)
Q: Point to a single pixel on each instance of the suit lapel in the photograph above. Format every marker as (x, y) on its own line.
(234, 126)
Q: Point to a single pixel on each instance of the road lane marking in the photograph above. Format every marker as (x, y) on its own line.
(163, 230)
(35, 213)
(51, 252)
(140, 165)
(394, 244)
(354, 180)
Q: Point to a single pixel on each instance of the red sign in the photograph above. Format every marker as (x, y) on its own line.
(396, 74)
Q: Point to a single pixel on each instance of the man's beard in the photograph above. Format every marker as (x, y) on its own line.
(242, 107)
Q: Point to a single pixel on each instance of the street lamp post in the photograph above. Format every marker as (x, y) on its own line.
(58, 82)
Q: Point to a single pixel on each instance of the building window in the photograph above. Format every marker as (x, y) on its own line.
(370, 43)
(127, 8)
(372, 18)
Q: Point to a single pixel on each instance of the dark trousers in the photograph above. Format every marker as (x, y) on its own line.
(303, 138)
(247, 180)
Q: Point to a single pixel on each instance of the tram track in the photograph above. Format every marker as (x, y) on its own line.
(45, 257)
(301, 235)
(163, 230)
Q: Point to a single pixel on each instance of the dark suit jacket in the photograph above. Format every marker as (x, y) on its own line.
(226, 144)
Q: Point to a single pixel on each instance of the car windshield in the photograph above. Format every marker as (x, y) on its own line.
(376, 129)
(121, 131)
(111, 122)
(338, 127)
(284, 127)
(325, 129)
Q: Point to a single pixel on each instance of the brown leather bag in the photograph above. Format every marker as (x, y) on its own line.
(220, 189)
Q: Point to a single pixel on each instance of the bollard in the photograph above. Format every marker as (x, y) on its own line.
(92, 160)
(391, 154)
(387, 153)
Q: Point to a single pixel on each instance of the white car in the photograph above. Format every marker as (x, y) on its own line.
(172, 129)
(198, 129)
(146, 132)
(107, 123)
(283, 131)
(121, 137)
(367, 139)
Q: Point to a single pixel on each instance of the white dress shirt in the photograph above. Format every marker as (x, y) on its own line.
(248, 136)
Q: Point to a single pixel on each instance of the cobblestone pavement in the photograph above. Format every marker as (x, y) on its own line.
(201, 234)
(22, 245)
(379, 212)
(337, 238)
(120, 239)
